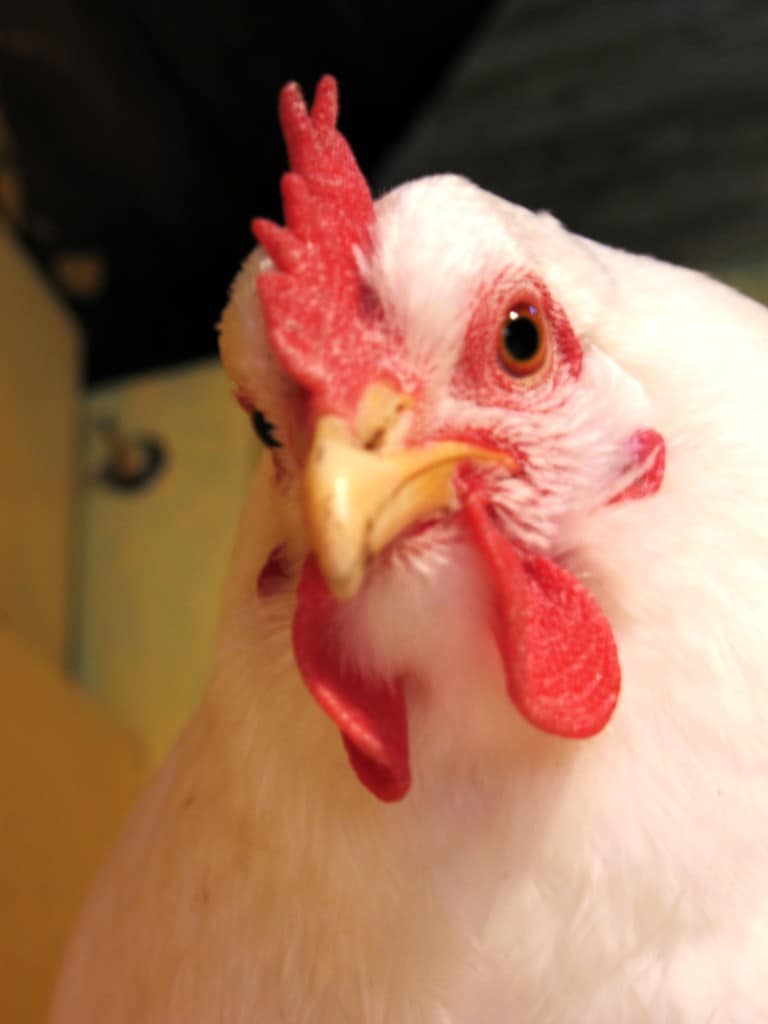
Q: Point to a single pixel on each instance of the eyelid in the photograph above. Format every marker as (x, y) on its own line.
(264, 429)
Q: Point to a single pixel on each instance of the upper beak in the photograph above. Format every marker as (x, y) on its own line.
(361, 489)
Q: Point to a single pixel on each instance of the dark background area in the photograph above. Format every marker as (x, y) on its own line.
(145, 132)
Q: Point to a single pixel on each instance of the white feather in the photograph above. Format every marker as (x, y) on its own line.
(524, 878)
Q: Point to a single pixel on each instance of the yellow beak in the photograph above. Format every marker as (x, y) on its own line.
(361, 490)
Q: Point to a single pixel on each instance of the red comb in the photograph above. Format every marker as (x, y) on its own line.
(315, 294)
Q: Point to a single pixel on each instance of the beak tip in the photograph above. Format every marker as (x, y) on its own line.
(343, 584)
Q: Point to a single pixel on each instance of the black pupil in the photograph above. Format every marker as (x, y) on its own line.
(521, 338)
(264, 429)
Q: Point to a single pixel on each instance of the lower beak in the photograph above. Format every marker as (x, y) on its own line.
(358, 499)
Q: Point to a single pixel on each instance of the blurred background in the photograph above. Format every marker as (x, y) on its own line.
(137, 140)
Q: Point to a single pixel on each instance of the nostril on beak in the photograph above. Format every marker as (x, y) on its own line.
(381, 418)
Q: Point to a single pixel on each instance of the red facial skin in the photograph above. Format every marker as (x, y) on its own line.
(479, 369)
(328, 331)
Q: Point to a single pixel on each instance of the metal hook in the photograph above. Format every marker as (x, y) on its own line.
(133, 460)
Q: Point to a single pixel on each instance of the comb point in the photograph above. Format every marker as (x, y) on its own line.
(325, 107)
(293, 115)
(255, 222)
(281, 245)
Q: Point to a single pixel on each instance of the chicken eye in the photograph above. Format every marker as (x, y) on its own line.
(523, 344)
(264, 429)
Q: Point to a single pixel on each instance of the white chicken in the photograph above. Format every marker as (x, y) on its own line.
(513, 471)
